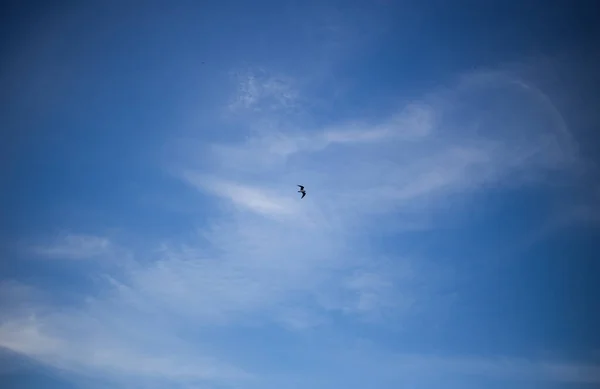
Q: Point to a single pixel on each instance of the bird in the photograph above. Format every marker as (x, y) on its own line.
(302, 191)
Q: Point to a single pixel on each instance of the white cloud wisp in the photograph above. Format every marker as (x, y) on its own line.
(268, 257)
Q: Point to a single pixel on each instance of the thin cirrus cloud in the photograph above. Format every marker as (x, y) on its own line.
(269, 258)
(357, 170)
(92, 341)
(426, 148)
(258, 200)
(259, 91)
(74, 247)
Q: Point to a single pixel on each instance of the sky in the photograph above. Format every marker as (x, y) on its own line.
(152, 235)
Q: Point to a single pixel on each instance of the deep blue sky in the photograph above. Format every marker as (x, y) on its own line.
(151, 232)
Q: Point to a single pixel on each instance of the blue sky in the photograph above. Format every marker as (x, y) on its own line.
(152, 235)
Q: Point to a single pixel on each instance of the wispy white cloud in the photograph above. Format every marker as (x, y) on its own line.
(269, 257)
(74, 246)
(411, 163)
(260, 200)
(118, 341)
(106, 338)
(190, 312)
(259, 91)
(455, 140)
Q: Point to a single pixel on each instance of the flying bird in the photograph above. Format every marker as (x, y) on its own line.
(302, 191)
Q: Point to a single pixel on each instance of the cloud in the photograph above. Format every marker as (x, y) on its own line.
(487, 129)
(74, 246)
(259, 200)
(269, 252)
(246, 269)
(105, 338)
(115, 340)
(410, 123)
(266, 257)
(259, 91)
(266, 247)
(300, 319)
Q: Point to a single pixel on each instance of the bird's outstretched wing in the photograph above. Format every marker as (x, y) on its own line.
(301, 187)
(303, 194)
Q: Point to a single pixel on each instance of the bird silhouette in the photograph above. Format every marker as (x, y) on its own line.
(302, 191)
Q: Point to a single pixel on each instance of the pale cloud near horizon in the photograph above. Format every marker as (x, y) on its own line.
(269, 257)
(97, 342)
(101, 339)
